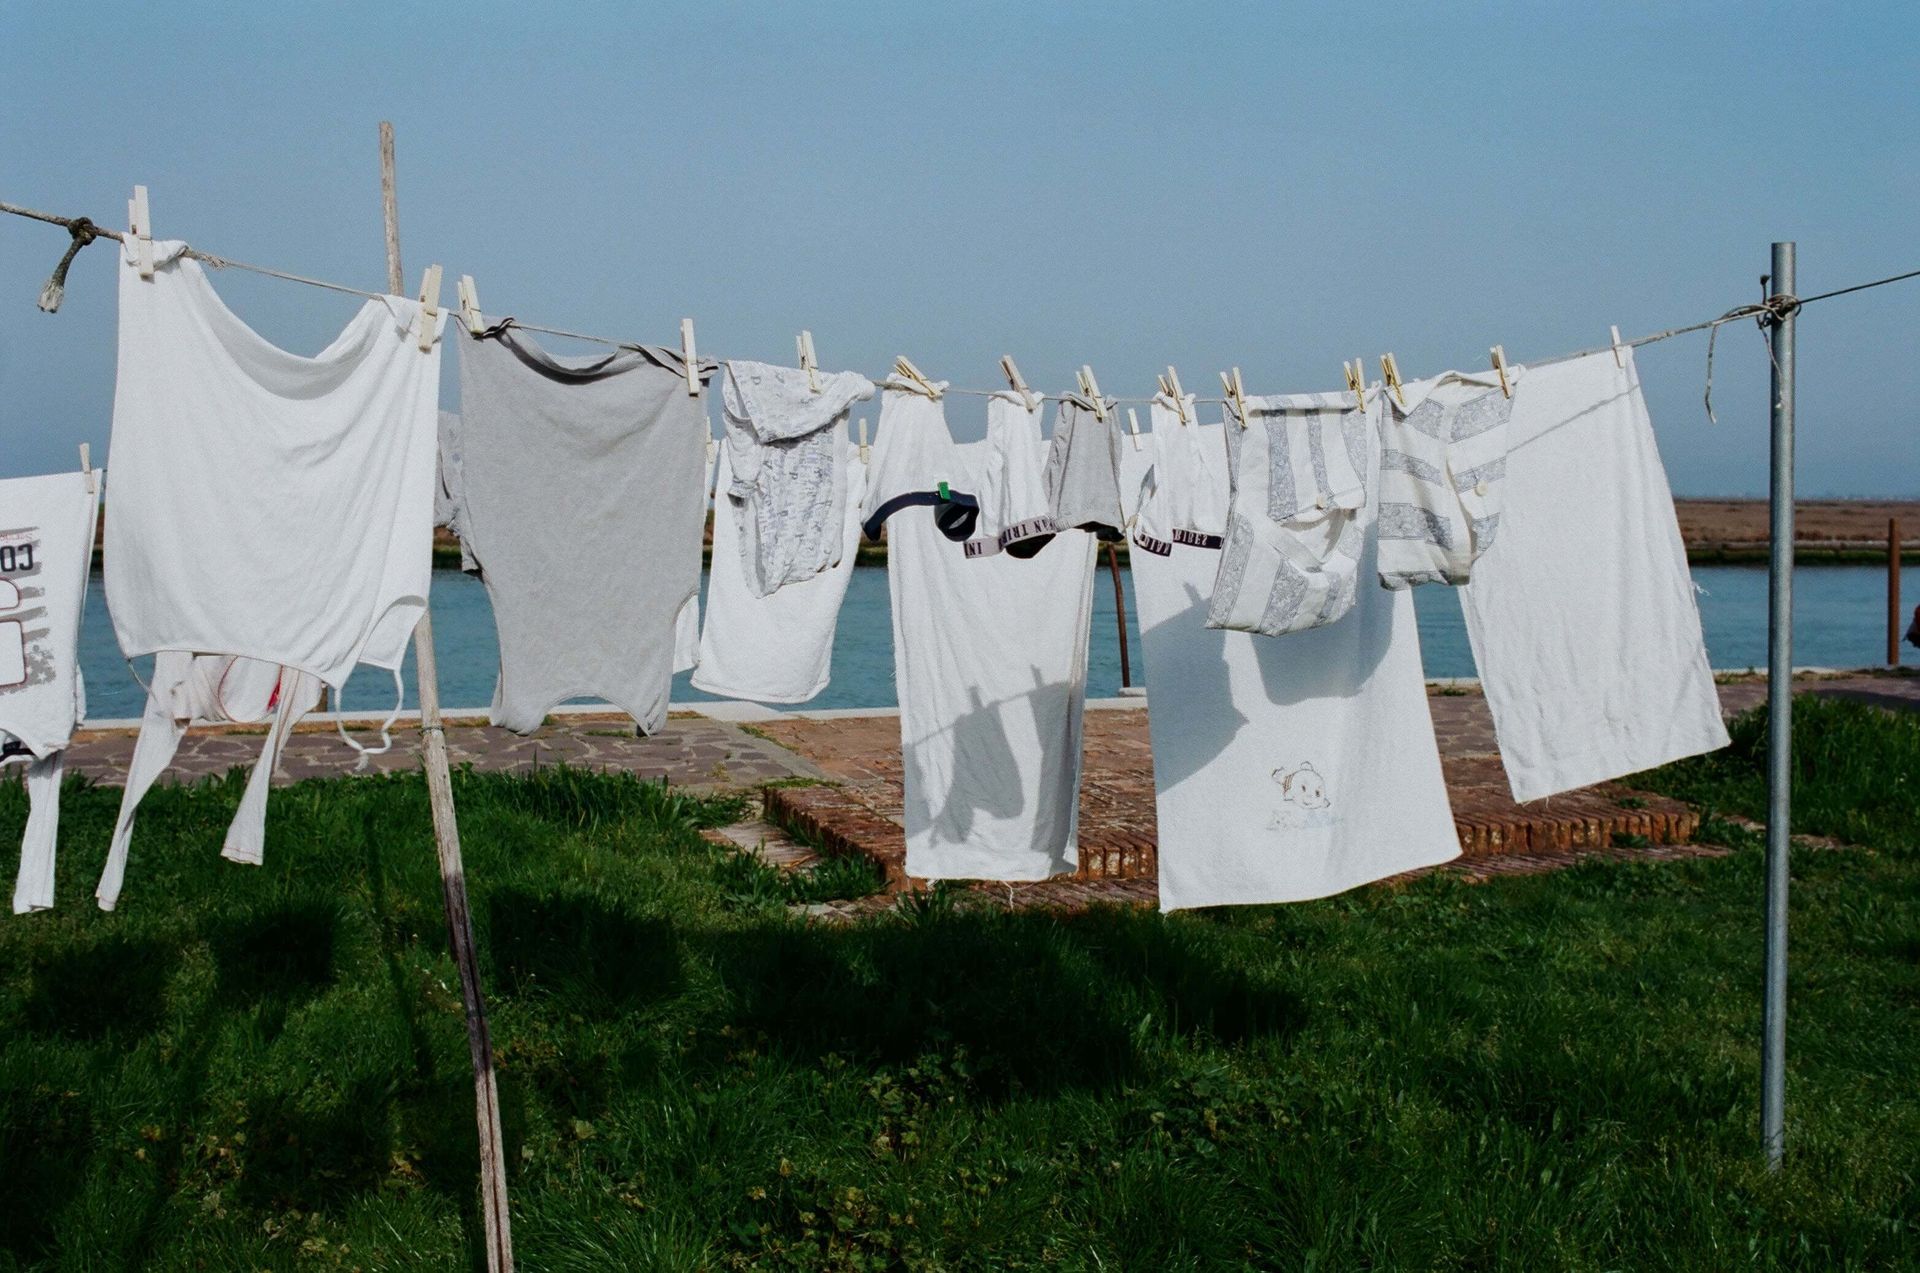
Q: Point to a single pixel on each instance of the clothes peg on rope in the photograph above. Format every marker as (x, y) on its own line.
(1177, 394)
(86, 465)
(1133, 427)
(865, 453)
(1015, 379)
(1391, 370)
(804, 343)
(690, 356)
(140, 227)
(917, 379)
(1236, 393)
(1357, 381)
(468, 297)
(429, 307)
(1499, 354)
(1092, 389)
(1618, 349)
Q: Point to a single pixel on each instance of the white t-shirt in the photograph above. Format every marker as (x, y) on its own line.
(46, 555)
(1283, 770)
(265, 504)
(990, 660)
(777, 648)
(1582, 614)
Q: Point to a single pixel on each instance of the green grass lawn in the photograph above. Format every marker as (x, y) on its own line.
(266, 1067)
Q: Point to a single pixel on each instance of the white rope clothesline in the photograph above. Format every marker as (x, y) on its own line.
(1773, 308)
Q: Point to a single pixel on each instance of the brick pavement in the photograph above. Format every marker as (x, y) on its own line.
(1118, 841)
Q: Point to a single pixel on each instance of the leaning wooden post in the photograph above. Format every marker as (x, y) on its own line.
(1893, 592)
(446, 835)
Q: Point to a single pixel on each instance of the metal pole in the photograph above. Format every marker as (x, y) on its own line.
(1773, 1039)
(1893, 592)
(446, 837)
(1120, 614)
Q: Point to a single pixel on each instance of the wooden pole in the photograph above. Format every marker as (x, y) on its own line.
(1893, 592)
(446, 835)
(1120, 614)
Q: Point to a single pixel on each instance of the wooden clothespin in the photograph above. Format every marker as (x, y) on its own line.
(1391, 370)
(469, 299)
(690, 356)
(864, 453)
(1499, 354)
(903, 366)
(1133, 427)
(1019, 382)
(1360, 382)
(804, 343)
(86, 465)
(140, 226)
(1092, 389)
(1618, 348)
(1236, 393)
(1177, 394)
(429, 307)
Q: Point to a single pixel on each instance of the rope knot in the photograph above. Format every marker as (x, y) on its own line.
(84, 232)
(1778, 309)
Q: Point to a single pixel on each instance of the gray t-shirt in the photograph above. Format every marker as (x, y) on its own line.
(576, 485)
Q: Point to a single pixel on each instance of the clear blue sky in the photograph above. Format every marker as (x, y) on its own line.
(1126, 185)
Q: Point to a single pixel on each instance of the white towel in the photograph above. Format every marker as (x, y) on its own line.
(1582, 617)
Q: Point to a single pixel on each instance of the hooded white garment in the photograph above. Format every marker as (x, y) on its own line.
(1442, 469)
(777, 648)
(1282, 770)
(267, 507)
(46, 554)
(1582, 618)
(1293, 542)
(787, 453)
(990, 663)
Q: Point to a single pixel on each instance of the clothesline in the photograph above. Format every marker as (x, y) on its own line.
(84, 229)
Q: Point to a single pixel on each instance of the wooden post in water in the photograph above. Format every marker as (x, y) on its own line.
(1893, 592)
(446, 835)
(1120, 615)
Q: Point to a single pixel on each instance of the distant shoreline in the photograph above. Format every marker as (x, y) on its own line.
(1717, 532)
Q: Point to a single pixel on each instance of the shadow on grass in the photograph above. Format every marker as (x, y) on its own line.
(599, 961)
(1036, 1005)
(273, 959)
(111, 986)
(42, 1166)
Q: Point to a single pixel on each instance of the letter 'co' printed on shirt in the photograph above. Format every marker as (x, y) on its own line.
(25, 657)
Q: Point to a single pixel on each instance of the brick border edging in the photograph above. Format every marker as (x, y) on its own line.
(839, 823)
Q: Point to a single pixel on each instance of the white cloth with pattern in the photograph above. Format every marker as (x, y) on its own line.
(46, 555)
(1442, 469)
(1292, 553)
(787, 452)
(1282, 770)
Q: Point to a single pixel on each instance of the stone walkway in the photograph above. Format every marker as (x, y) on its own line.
(692, 751)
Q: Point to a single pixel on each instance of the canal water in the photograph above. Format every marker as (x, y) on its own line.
(1839, 621)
